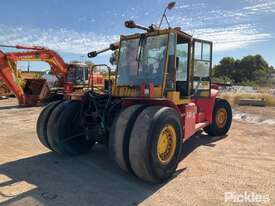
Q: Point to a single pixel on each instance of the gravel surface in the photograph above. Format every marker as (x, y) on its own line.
(31, 175)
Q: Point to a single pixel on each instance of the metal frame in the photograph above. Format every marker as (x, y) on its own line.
(210, 61)
(189, 42)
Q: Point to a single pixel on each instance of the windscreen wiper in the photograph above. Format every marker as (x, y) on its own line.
(141, 44)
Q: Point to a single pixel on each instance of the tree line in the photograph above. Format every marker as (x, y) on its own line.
(252, 70)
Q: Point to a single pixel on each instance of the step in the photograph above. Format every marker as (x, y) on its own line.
(201, 125)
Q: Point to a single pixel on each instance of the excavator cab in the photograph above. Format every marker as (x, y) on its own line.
(165, 63)
(78, 74)
(80, 77)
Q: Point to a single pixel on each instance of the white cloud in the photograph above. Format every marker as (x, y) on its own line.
(62, 39)
(191, 6)
(197, 16)
(70, 41)
(262, 7)
(229, 29)
(257, 8)
(234, 37)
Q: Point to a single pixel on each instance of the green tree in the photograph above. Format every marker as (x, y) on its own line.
(225, 68)
(250, 70)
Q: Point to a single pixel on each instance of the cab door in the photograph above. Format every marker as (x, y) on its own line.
(202, 64)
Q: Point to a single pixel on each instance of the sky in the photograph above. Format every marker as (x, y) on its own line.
(73, 28)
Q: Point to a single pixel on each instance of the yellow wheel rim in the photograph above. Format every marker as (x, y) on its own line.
(221, 117)
(166, 144)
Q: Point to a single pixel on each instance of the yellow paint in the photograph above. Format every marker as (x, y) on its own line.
(205, 93)
(158, 92)
(174, 96)
(221, 117)
(126, 91)
(167, 143)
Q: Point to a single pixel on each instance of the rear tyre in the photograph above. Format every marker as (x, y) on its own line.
(221, 118)
(66, 134)
(42, 122)
(155, 144)
(120, 136)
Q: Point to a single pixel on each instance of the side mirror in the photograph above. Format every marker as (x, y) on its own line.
(171, 5)
(92, 54)
(130, 24)
(177, 63)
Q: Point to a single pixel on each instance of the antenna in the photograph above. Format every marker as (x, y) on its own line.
(170, 6)
(28, 66)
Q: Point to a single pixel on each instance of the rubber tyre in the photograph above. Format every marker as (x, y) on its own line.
(143, 144)
(65, 123)
(120, 136)
(42, 122)
(213, 129)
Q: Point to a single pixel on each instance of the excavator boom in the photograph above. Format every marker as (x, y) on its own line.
(35, 53)
(8, 77)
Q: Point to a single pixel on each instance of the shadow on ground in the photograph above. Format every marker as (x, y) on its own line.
(199, 140)
(10, 107)
(92, 179)
(18, 107)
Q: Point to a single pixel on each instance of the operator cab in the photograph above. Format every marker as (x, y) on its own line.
(169, 62)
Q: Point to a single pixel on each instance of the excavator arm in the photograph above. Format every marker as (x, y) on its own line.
(36, 53)
(8, 77)
(58, 66)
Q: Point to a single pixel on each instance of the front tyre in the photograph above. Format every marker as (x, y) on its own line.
(120, 136)
(221, 118)
(155, 144)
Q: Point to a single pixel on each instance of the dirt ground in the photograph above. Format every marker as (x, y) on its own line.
(265, 112)
(31, 175)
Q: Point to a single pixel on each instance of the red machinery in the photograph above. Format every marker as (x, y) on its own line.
(72, 76)
(161, 97)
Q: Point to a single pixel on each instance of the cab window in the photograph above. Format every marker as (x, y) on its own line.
(182, 56)
(201, 68)
(202, 59)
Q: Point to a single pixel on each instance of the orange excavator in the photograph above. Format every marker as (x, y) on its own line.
(70, 76)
